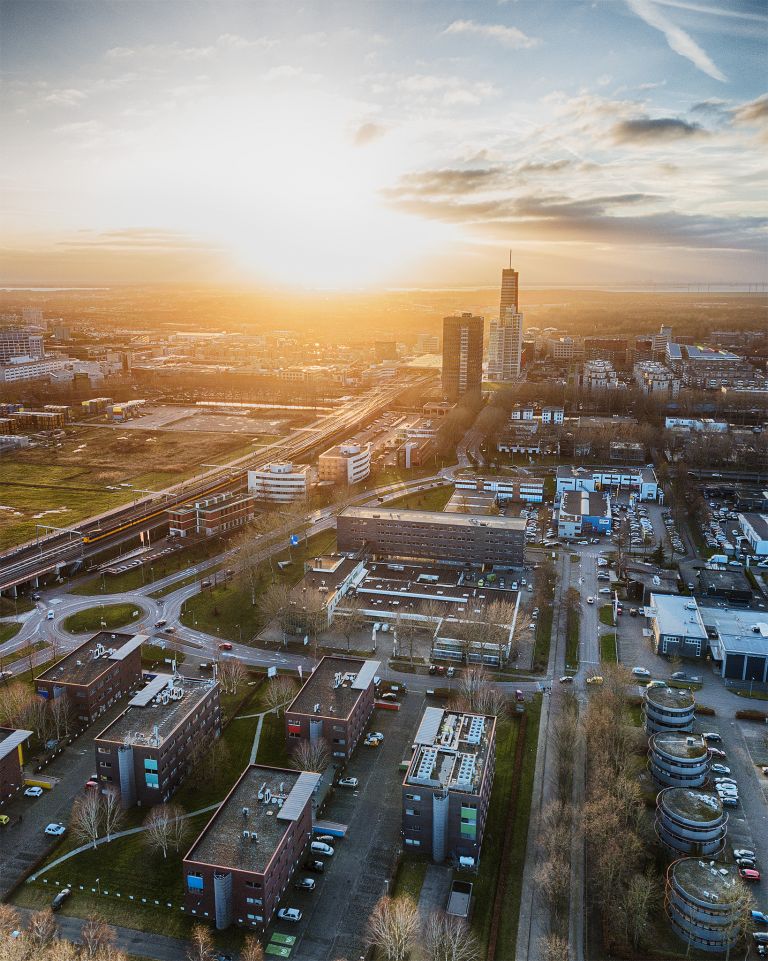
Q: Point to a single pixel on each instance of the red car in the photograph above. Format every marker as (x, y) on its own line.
(226, 646)
(749, 874)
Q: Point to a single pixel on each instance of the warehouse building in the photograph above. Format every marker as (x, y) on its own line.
(241, 864)
(731, 586)
(12, 743)
(334, 705)
(738, 641)
(433, 535)
(676, 626)
(641, 481)
(755, 528)
(527, 489)
(95, 675)
(447, 789)
(584, 514)
(146, 753)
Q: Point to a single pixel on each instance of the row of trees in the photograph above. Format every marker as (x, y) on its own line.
(395, 929)
(40, 941)
(20, 707)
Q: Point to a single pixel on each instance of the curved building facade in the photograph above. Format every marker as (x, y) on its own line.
(691, 822)
(701, 901)
(677, 759)
(668, 709)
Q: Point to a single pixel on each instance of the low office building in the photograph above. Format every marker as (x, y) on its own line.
(691, 822)
(676, 626)
(668, 709)
(678, 758)
(241, 864)
(11, 762)
(703, 904)
(95, 675)
(432, 535)
(328, 577)
(345, 464)
(584, 514)
(730, 586)
(738, 642)
(640, 481)
(146, 753)
(527, 489)
(334, 705)
(447, 789)
(755, 529)
(213, 515)
(280, 483)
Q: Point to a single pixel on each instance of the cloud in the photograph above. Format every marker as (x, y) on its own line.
(133, 237)
(368, 132)
(232, 41)
(755, 111)
(452, 90)
(161, 51)
(677, 39)
(507, 36)
(647, 130)
(284, 72)
(446, 182)
(714, 11)
(536, 167)
(65, 98)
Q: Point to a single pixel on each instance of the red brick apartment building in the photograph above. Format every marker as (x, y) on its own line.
(335, 704)
(214, 515)
(239, 867)
(11, 760)
(96, 674)
(147, 751)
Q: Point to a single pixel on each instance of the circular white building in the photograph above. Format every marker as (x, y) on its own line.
(677, 759)
(702, 903)
(668, 709)
(690, 822)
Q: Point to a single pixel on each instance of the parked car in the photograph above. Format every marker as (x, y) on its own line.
(320, 847)
(289, 914)
(33, 792)
(348, 782)
(450, 672)
(566, 679)
(325, 838)
(720, 769)
(711, 736)
(760, 916)
(743, 853)
(371, 742)
(749, 874)
(60, 898)
(746, 862)
(388, 696)
(716, 752)
(55, 830)
(317, 866)
(641, 672)
(305, 884)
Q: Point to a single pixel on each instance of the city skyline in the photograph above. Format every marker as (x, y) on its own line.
(327, 146)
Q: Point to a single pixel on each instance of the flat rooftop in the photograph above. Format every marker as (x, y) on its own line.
(758, 523)
(701, 806)
(273, 798)
(678, 616)
(10, 739)
(156, 711)
(435, 518)
(670, 696)
(331, 687)
(675, 743)
(326, 573)
(92, 658)
(709, 881)
(451, 750)
(585, 504)
(742, 632)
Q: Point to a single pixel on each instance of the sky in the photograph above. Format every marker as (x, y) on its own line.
(383, 143)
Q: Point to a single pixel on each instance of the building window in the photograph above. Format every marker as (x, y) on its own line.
(194, 881)
(151, 780)
(412, 843)
(413, 797)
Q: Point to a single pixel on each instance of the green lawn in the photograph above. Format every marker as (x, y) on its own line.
(608, 648)
(185, 581)
(9, 630)
(606, 615)
(105, 617)
(23, 651)
(410, 876)
(543, 639)
(11, 606)
(433, 499)
(226, 611)
(573, 622)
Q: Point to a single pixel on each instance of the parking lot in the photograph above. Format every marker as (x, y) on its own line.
(358, 874)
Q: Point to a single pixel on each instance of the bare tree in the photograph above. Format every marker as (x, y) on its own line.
(311, 756)
(86, 817)
(449, 939)
(200, 944)
(553, 947)
(251, 950)
(14, 703)
(275, 605)
(9, 919)
(61, 716)
(406, 629)
(350, 619)
(279, 693)
(208, 758)
(97, 938)
(166, 828)
(641, 897)
(393, 927)
(231, 673)
(112, 815)
(37, 717)
(477, 692)
(41, 928)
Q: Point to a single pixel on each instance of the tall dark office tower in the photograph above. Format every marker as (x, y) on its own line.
(462, 355)
(509, 288)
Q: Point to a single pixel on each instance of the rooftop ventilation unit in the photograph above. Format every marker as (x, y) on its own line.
(246, 812)
(260, 795)
(316, 708)
(254, 837)
(246, 835)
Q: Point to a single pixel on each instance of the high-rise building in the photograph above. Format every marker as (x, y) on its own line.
(19, 344)
(462, 355)
(505, 341)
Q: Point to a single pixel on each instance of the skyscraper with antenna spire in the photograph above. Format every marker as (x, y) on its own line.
(505, 343)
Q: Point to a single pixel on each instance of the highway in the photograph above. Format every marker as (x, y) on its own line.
(38, 558)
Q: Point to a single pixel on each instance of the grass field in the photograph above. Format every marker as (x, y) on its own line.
(410, 876)
(606, 615)
(573, 623)
(608, 649)
(543, 640)
(226, 611)
(434, 499)
(11, 606)
(61, 486)
(8, 631)
(105, 617)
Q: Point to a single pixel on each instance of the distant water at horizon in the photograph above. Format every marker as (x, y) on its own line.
(51, 289)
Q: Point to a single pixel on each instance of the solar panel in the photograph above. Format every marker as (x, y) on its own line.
(366, 675)
(430, 725)
(152, 689)
(122, 652)
(301, 792)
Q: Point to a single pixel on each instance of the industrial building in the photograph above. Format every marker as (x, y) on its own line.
(447, 789)
(691, 822)
(334, 705)
(12, 742)
(731, 586)
(755, 529)
(677, 758)
(738, 641)
(345, 464)
(211, 516)
(146, 753)
(584, 514)
(668, 709)
(239, 867)
(432, 535)
(640, 481)
(95, 675)
(702, 904)
(676, 626)
(280, 482)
